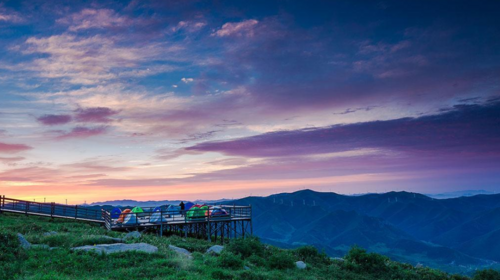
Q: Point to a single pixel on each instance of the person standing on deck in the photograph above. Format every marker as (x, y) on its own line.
(182, 207)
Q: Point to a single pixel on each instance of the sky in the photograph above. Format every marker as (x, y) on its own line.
(153, 100)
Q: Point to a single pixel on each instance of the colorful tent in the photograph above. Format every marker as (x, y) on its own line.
(195, 213)
(174, 209)
(188, 205)
(137, 209)
(157, 217)
(205, 209)
(115, 213)
(157, 209)
(123, 215)
(217, 211)
(130, 219)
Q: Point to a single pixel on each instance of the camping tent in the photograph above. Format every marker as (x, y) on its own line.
(130, 219)
(205, 210)
(217, 211)
(174, 209)
(188, 205)
(157, 217)
(123, 215)
(138, 210)
(195, 213)
(115, 213)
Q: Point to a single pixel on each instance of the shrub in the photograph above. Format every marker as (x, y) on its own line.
(488, 274)
(310, 254)
(280, 260)
(256, 260)
(229, 260)
(367, 262)
(222, 275)
(250, 275)
(246, 247)
(10, 256)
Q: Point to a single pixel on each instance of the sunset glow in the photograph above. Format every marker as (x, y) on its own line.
(155, 100)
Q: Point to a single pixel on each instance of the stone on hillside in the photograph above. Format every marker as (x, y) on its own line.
(118, 247)
(133, 234)
(338, 259)
(180, 251)
(50, 233)
(24, 243)
(419, 265)
(301, 265)
(215, 250)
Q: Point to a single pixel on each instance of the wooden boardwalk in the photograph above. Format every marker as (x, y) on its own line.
(235, 221)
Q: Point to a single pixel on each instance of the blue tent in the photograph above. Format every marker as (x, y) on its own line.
(115, 213)
(157, 209)
(188, 205)
(174, 210)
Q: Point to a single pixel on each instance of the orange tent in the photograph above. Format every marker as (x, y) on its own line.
(123, 215)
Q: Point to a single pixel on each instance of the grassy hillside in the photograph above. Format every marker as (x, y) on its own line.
(241, 259)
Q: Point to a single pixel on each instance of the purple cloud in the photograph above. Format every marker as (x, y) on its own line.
(466, 130)
(13, 148)
(83, 132)
(95, 115)
(54, 119)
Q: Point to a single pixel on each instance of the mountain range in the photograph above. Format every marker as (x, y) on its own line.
(456, 234)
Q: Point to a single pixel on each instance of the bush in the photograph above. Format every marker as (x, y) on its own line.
(256, 260)
(250, 275)
(488, 274)
(310, 254)
(246, 247)
(10, 256)
(221, 275)
(229, 260)
(366, 262)
(281, 260)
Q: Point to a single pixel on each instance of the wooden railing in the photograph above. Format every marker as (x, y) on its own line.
(49, 209)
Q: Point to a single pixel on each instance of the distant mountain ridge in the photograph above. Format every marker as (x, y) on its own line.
(453, 234)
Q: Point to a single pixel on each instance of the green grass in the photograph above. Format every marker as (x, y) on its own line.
(242, 259)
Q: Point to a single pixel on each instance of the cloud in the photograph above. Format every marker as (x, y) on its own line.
(189, 26)
(94, 18)
(54, 119)
(95, 115)
(187, 80)
(243, 28)
(92, 60)
(10, 160)
(13, 148)
(466, 130)
(83, 132)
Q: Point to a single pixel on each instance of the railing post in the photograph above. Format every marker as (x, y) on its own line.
(27, 207)
(161, 222)
(209, 227)
(76, 211)
(52, 208)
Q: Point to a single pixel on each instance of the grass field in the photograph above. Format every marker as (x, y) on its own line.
(241, 259)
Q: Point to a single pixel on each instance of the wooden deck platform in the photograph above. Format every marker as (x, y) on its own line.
(229, 221)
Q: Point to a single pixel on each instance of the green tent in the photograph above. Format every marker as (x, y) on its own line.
(195, 213)
(137, 210)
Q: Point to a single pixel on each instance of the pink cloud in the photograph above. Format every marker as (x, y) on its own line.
(94, 18)
(243, 28)
(13, 148)
(83, 132)
(96, 115)
(54, 119)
